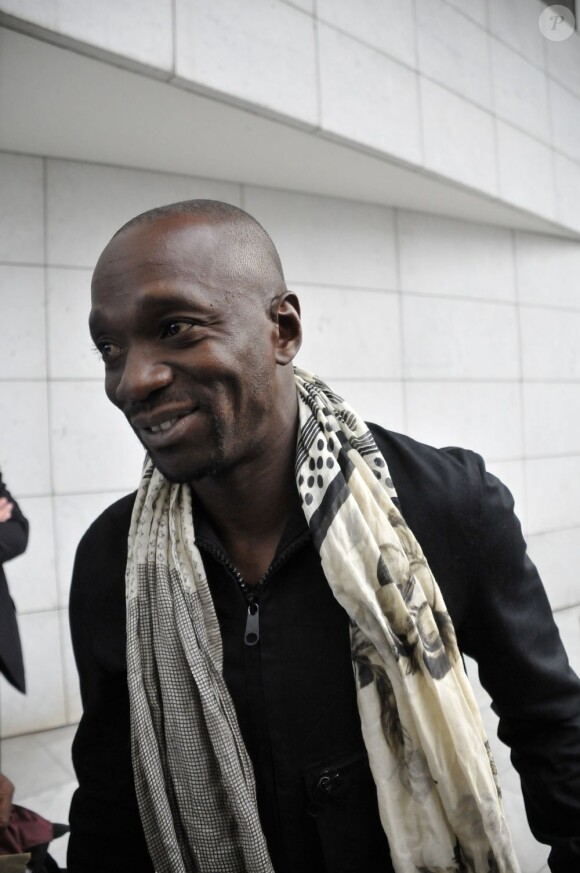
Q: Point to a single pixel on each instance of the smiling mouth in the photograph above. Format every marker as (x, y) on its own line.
(165, 425)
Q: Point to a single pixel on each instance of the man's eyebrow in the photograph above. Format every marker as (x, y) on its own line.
(154, 303)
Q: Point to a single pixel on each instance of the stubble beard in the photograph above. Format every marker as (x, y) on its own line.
(214, 464)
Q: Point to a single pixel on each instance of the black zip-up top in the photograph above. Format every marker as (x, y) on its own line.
(304, 737)
(287, 666)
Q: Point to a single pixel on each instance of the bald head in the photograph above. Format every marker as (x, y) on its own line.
(245, 255)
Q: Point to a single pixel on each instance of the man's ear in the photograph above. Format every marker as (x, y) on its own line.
(286, 313)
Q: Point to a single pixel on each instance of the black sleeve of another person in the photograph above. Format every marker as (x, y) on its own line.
(13, 541)
(106, 831)
(14, 532)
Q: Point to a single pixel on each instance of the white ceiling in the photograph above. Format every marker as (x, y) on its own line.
(57, 102)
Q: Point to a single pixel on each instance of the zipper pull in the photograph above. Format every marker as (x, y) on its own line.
(252, 634)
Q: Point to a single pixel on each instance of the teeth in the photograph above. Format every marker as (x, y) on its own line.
(165, 425)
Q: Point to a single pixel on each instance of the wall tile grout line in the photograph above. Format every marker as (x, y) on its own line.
(401, 326)
(46, 235)
(523, 428)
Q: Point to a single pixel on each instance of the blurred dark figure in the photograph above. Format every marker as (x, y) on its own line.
(13, 541)
(23, 832)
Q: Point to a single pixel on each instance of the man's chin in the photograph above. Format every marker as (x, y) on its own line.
(188, 472)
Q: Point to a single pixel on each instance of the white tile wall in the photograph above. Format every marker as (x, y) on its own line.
(485, 416)
(526, 176)
(459, 339)
(567, 173)
(556, 557)
(71, 353)
(350, 71)
(215, 40)
(520, 92)
(552, 493)
(370, 346)
(453, 50)
(87, 203)
(73, 513)
(468, 155)
(21, 220)
(552, 418)
(93, 446)
(22, 349)
(32, 575)
(548, 270)
(43, 705)
(455, 258)
(568, 621)
(388, 118)
(515, 22)
(327, 241)
(305, 5)
(382, 403)
(550, 348)
(34, 765)
(566, 120)
(563, 61)
(138, 29)
(385, 24)
(24, 446)
(474, 9)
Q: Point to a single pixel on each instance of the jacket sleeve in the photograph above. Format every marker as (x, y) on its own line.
(14, 532)
(523, 665)
(106, 831)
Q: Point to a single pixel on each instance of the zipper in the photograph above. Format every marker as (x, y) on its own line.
(252, 630)
(250, 592)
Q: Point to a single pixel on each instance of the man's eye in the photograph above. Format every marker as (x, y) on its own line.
(108, 351)
(175, 328)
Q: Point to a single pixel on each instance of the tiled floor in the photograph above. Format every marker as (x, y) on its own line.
(39, 765)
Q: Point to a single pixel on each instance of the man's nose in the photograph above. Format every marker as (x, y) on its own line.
(143, 374)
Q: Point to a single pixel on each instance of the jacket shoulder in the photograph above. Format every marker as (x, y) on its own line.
(442, 475)
(440, 493)
(101, 555)
(113, 523)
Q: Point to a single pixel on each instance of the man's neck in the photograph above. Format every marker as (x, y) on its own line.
(250, 506)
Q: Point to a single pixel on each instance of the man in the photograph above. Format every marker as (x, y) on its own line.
(263, 555)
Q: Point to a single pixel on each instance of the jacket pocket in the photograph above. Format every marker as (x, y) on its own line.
(342, 799)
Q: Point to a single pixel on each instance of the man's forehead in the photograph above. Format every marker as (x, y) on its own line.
(171, 249)
(172, 236)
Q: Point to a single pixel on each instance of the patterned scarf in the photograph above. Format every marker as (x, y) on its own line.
(439, 799)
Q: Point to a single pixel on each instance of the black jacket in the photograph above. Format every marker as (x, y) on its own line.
(13, 541)
(294, 692)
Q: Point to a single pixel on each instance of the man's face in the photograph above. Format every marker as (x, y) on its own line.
(189, 354)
